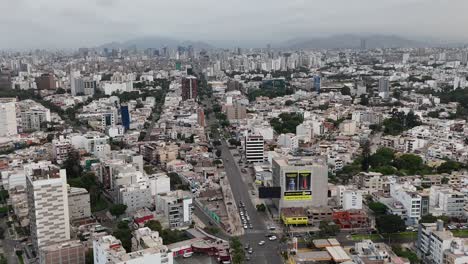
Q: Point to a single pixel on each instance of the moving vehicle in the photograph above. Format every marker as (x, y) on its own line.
(261, 243)
(187, 254)
(272, 238)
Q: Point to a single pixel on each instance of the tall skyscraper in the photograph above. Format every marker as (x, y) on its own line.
(46, 82)
(125, 114)
(189, 88)
(8, 125)
(5, 79)
(363, 44)
(317, 83)
(384, 87)
(48, 203)
(464, 58)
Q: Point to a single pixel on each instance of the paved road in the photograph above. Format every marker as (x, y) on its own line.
(267, 253)
(8, 245)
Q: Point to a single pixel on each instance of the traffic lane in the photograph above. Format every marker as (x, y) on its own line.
(239, 188)
(268, 253)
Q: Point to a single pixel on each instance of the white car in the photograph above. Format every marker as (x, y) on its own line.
(272, 238)
(245, 227)
(261, 243)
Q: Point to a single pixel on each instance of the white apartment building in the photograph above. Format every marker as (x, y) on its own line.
(33, 117)
(79, 205)
(48, 203)
(254, 148)
(8, 125)
(177, 207)
(92, 142)
(135, 196)
(372, 182)
(109, 250)
(352, 199)
(159, 183)
(117, 87)
(410, 199)
(60, 149)
(446, 201)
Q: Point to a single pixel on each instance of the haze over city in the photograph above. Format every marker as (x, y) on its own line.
(73, 24)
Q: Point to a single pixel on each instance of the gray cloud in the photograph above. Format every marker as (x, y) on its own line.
(75, 23)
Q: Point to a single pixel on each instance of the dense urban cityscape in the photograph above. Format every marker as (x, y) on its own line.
(195, 154)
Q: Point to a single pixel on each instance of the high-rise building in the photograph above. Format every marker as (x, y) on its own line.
(82, 85)
(384, 88)
(46, 82)
(8, 125)
(254, 148)
(201, 117)
(189, 88)
(317, 81)
(5, 79)
(49, 218)
(125, 114)
(363, 44)
(235, 111)
(33, 118)
(303, 182)
(464, 58)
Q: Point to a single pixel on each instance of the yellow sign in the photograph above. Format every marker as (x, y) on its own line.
(297, 196)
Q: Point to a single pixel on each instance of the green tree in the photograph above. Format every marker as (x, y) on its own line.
(346, 90)
(289, 102)
(3, 260)
(387, 224)
(364, 100)
(89, 257)
(382, 157)
(432, 219)
(328, 229)
(365, 156)
(218, 153)
(378, 208)
(238, 255)
(117, 209)
(410, 163)
(72, 165)
(261, 207)
(154, 225)
(445, 180)
(124, 234)
(449, 166)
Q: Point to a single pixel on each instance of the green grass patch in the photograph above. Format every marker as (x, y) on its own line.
(359, 237)
(20, 259)
(402, 235)
(460, 233)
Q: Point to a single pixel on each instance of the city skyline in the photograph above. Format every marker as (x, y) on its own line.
(56, 24)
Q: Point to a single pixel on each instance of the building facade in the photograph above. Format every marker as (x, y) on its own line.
(303, 182)
(8, 124)
(48, 204)
(189, 88)
(254, 148)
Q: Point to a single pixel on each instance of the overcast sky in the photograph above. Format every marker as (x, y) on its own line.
(78, 23)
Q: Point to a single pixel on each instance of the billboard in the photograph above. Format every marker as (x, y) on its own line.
(298, 196)
(269, 192)
(297, 185)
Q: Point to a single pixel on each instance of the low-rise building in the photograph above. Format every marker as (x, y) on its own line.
(78, 203)
(177, 208)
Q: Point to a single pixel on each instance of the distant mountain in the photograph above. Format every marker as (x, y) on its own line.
(155, 42)
(353, 41)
